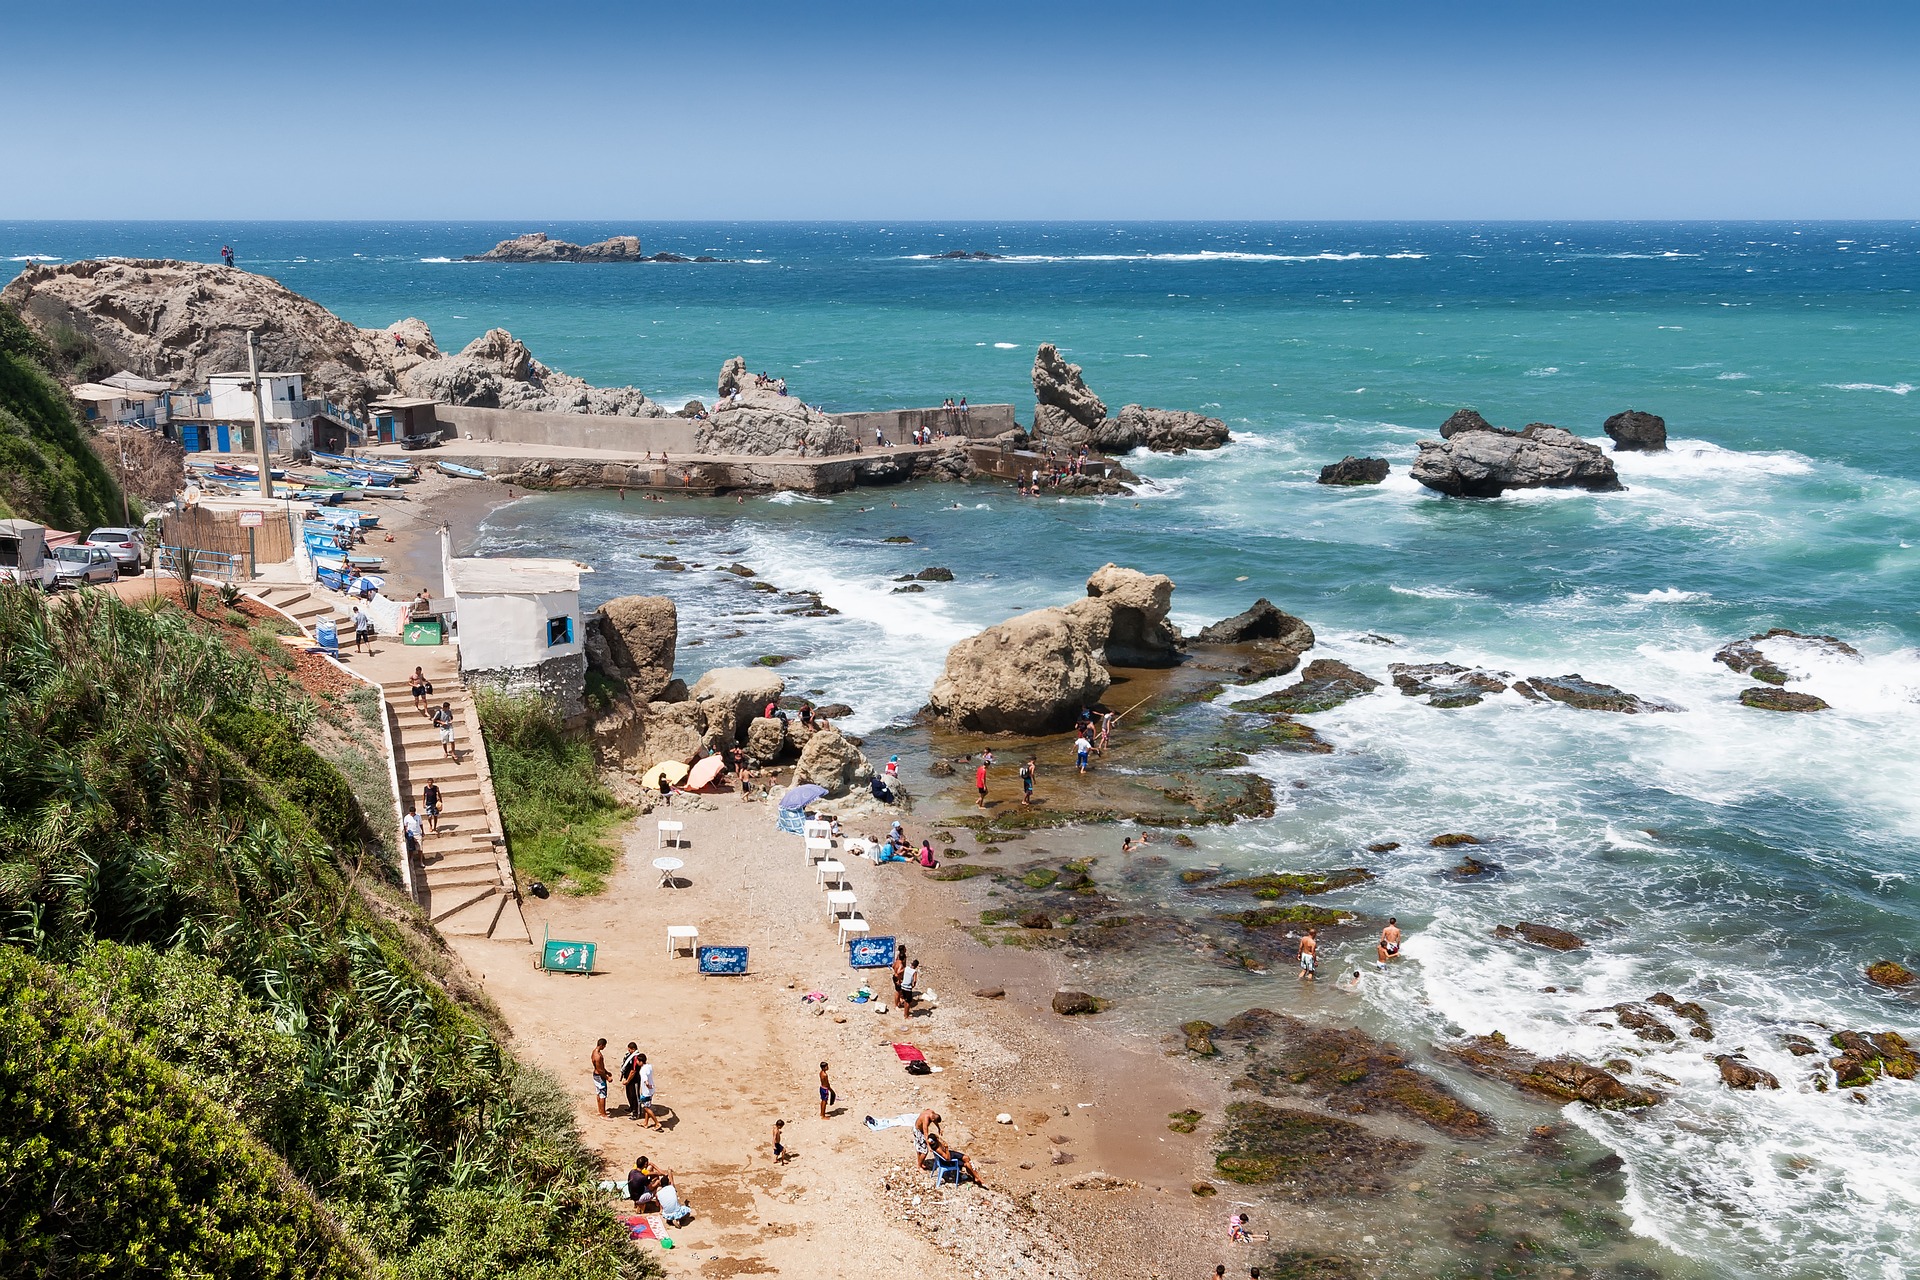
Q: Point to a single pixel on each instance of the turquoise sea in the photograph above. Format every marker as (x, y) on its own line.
(1750, 860)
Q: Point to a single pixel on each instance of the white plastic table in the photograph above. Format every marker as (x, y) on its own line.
(679, 935)
(666, 867)
(818, 847)
(670, 830)
(814, 829)
(848, 928)
(830, 867)
(841, 902)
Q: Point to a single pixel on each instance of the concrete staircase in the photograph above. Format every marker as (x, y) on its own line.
(463, 878)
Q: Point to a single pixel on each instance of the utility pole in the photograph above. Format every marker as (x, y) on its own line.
(259, 418)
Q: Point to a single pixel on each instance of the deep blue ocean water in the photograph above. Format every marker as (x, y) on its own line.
(1749, 859)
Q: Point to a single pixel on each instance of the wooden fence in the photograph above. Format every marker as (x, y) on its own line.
(201, 530)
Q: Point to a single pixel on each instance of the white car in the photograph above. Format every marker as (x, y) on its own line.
(123, 544)
(79, 565)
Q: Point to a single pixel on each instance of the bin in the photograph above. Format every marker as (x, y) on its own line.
(421, 631)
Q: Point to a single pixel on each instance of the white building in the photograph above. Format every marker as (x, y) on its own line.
(123, 399)
(518, 624)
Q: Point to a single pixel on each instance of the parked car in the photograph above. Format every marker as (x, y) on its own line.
(79, 565)
(23, 554)
(123, 544)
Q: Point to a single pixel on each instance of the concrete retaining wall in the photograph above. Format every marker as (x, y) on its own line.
(983, 421)
(568, 430)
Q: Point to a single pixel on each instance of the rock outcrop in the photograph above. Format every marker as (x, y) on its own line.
(1476, 460)
(1767, 698)
(1588, 695)
(496, 371)
(1324, 685)
(1634, 431)
(831, 761)
(1447, 684)
(1464, 420)
(1068, 415)
(733, 697)
(1890, 973)
(1747, 657)
(534, 246)
(1032, 673)
(182, 321)
(754, 415)
(1865, 1056)
(1565, 1079)
(1541, 935)
(632, 639)
(1264, 620)
(1737, 1073)
(1355, 471)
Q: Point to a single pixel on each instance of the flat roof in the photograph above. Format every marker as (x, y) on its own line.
(134, 382)
(401, 402)
(100, 391)
(243, 375)
(514, 575)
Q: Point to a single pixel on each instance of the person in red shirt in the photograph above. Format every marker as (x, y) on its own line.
(980, 785)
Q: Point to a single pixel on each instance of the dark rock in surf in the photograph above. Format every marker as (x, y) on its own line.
(1634, 431)
(1737, 1073)
(1069, 1004)
(1542, 935)
(1306, 1154)
(1447, 684)
(1262, 621)
(1355, 471)
(1325, 684)
(1464, 420)
(1766, 698)
(1587, 695)
(1563, 1078)
(1889, 973)
(935, 574)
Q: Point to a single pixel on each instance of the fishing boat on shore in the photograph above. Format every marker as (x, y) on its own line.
(464, 473)
(386, 466)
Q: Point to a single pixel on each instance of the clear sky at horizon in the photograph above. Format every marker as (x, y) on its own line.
(1209, 109)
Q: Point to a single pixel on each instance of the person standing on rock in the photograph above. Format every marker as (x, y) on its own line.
(1027, 771)
(1389, 946)
(1309, 955)
(980, 785)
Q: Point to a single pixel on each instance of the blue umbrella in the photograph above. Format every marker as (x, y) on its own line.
(801, 797)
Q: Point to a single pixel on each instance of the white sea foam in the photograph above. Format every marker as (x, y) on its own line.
(436, 259)
(1545, 372)
(789, 497)
(1898, 388)
(1006, 346)
(1204, 255)
(1435, 593)
(35, 257)
(1669, 595)
(1731, 377)
(1703, 457)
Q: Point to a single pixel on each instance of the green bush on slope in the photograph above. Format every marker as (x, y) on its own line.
(558, 813)
(162, 846)
(48, 471)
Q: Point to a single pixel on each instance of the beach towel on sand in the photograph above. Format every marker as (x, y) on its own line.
(892, 1122)
(907, 1053)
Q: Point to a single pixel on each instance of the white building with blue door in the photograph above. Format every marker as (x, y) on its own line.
(517, 622)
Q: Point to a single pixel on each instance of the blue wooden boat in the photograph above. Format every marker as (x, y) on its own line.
(367, 478)
(465, 473)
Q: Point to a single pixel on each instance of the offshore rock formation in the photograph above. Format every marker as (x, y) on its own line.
(1587, 695)
(1634, 431)
(1032, 673)
(535, 247)
(1474, 459)
(1068, 415)
(496, 371)
(181, 321)
(754, 416)
(1355, 471)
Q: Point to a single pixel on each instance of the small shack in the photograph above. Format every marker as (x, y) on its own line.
(407, 421)
(518, 624)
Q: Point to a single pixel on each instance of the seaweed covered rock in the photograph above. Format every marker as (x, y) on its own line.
(1865, 1056)
(1324, 685)
(1272, 885)
(1737, 1073)
(1541, 935)
(1564, 1078)
(1766, 698)
(1350, 1071)
(1071, 1004)
(1587, 695)
(1889, 973)
(1307, 1155)
(1447, 684)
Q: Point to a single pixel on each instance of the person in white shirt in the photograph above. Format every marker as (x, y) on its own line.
(647, 1117)
(1081, 749)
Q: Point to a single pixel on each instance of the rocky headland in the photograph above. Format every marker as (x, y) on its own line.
(535, 246)
(1069, 416)
(182, 321)
(1475, 459)
(755, 415)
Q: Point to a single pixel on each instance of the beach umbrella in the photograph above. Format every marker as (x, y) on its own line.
(801, 797)
(704, 772)
(672, 770)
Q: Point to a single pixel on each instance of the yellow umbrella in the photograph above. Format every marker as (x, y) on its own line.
(672, 770)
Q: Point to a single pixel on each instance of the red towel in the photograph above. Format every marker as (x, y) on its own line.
(908, 1053)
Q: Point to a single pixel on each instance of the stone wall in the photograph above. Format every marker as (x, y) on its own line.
(984, 421)
(562, 679)
(566, 430)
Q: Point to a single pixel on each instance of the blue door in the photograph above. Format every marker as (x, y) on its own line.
(190, 439)
(225, 440)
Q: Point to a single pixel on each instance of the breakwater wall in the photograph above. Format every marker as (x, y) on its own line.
(980, 422)
(565, 430)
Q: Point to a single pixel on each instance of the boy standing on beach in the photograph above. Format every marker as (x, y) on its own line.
(779, 1147)
(643, 1076)
(826, 1091)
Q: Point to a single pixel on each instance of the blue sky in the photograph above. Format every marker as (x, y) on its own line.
(1355, 109)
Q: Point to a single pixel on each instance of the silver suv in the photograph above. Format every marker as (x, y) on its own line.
(124, 544)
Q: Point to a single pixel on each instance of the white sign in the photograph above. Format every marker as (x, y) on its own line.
(251, 519)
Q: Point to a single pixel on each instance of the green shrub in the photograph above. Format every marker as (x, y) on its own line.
(48, 470)
(559, 815)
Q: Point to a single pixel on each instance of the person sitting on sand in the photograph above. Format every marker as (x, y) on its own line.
(927, 859)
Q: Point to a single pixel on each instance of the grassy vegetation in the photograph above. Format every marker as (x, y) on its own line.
(220, 1056)
(48, 471)
(559, 816)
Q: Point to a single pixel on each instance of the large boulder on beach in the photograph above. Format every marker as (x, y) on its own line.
(672, 731)
(731, 698)
(631, 639)
(753, 416)
(1634, 431)
(1135, 605)
(1030, 675)
(1485, 463)
(1058, 384)
(829, 760)
(766, 739)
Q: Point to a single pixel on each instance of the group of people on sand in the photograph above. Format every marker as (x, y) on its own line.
(636, 1078)
(1386, 949)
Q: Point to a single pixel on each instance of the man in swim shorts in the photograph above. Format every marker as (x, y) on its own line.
(1309, 954)
(600, 1075)
(1027, 771)
(1389, 941)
